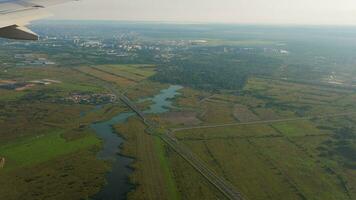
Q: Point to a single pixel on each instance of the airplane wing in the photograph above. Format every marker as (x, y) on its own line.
(16, 14)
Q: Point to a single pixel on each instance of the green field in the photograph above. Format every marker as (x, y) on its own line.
(282, 82)
(279, 160)
(150, 163)
(47, 146)
(42, 148)
(135, 72)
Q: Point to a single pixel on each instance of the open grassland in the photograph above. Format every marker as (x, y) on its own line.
(132, 72)
(45, 155)
(190, 184)
(303, 159)
(238, 162)
(77, 175)
(122, 76)
(23, 120)
(191, 98)
(49, 151)
(30, 119)
(174, 177)
(298, 128)
(268, 168)
(105, 112)
(309, 176)
(302, 98)
(217, 113)
(243, 114)
(306, 159)
(144, 90)
(36, 150)
(109, 77)
(243, 131)
(179, 119)
(71, 80)
(152, 175)
(10, 95)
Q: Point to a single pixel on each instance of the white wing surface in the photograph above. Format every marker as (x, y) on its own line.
(16, 14)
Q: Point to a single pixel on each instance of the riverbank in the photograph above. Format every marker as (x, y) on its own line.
(150, 164)
(121, 179)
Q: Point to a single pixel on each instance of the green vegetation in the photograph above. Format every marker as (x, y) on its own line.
(77, 175)
(46, 145)
(303, 159)
(190, 184)
(232, 74)
(216, 71)
(42, 148)
(298, 128)
(131, 72)
(160, 149)
(150, 163)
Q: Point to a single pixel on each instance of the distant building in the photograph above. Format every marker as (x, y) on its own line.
(284, 52)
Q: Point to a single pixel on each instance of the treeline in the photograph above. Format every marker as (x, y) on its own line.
(214, 71)
(341, 146)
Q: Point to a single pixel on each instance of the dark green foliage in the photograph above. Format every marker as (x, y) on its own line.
(214, 71)
(343, 146)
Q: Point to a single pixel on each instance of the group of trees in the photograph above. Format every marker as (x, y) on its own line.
(214, 71)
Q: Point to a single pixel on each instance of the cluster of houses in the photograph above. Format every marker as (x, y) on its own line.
(32, 59)
(91, 98)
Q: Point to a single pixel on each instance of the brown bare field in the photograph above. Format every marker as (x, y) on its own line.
(118, 80)
(217, 113)
(243, 114)
(7, 81)
(267, 114)
(131, 72)
(186, 118)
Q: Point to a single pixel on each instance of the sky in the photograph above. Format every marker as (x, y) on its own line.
(323, 12)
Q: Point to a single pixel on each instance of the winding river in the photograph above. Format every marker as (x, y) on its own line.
(118, 184)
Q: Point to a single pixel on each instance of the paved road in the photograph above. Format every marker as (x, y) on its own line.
(265, 121)
(221, 184)
(226, 188)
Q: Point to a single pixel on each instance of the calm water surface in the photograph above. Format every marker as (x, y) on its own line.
(118, 184)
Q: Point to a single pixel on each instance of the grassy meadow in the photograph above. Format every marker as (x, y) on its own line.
(300, 159)
(49, 151)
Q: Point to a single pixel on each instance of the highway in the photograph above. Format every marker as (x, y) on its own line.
(226, 188)
(265, 121)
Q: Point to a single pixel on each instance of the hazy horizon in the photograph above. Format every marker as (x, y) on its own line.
(284, 12)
